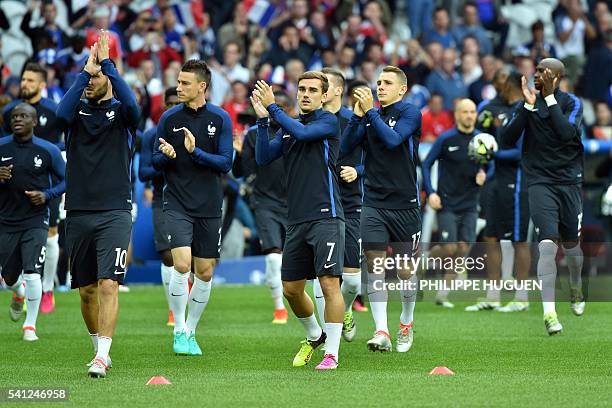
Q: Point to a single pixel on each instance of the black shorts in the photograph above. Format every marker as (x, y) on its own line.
(271, 228)
(352, 243)
(54, 217)
(381, 225)
(22, 251)
(556, 211)
(313, 248)
(161, 237)
(202, 235)
(457, 226)
(97, 243)
(508, 213)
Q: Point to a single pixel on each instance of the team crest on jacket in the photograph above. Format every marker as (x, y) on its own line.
(37, 162)
(42, 120)
(392, 122)
(110, 116)
(211, 130)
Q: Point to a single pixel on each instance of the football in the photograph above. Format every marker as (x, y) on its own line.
(482, 148)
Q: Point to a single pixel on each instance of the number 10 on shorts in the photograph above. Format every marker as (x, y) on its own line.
(120, 258)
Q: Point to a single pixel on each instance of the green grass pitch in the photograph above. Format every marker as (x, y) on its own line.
(499, 359)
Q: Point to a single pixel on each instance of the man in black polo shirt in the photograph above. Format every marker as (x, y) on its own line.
(194, 149)
(314, 246)
(27, 165)
(99, 144)
(553, 162)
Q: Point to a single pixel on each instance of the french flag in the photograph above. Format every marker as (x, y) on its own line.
(260, 12)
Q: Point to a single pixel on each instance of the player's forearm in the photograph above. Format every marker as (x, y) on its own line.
(426, 167)
(563, 128)
(122, 90)
(265, 152)
(219, 162)
(66, 110)
(352, 135)
(509, 154)
(146, 171)
(56, 191)
(159, 160)
(511, 133)
(316, 131)
(389, 136)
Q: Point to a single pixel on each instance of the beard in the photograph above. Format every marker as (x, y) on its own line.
(26, 95)
(99, 93)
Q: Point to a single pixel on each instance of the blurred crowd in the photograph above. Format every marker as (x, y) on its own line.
(449, 49)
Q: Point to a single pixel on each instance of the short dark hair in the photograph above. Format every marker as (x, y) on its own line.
(170, 92)
(397, 71)
(538, 25)
(336, 74)
(438, 9)
(316, 75)
(514, 79)
(357, 83)
(199, 68)
(35, 67)
(233, 42)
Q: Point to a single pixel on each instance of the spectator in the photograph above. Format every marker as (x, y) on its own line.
(419, 16)
(483, 88)
(289, 46)
(470, 45)
(597, 73)
(101, 21)
(368, 73)
(232, 69)
(321, 31)
(351, 36)
(173, 30)
(257, 50)
(435, 120)
(417, 94)
(345, 62)
(539, 48)
(602, 128)
(491, 19)
(446, 81)
(293, 70)
(602, 20)
(571, 30)
(205, 38)
(297, 17)
(49, 28)
(139, 30)
(418, 63)
(470, 69)
(238, 103)
(375, 24)
(471, 25)
(440, 31)
(239, 29)
(328, 57)
(154, 49)
(435, 51)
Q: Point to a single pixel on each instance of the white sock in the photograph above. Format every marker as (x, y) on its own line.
(33, 292)
(442, 294)
(332, 343)
(547, 273)
(273, 279)
(378, 301)
(521, 295)
(166, 274)
(409, 300)
(507, 253)
(198, 299)
(178, 298)
(575, 259)
(313, 330)
(18, 288)
(350, 288)
(94, 341)
(319, 300)
(493, 295)
(104, 345)
(51, 259)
